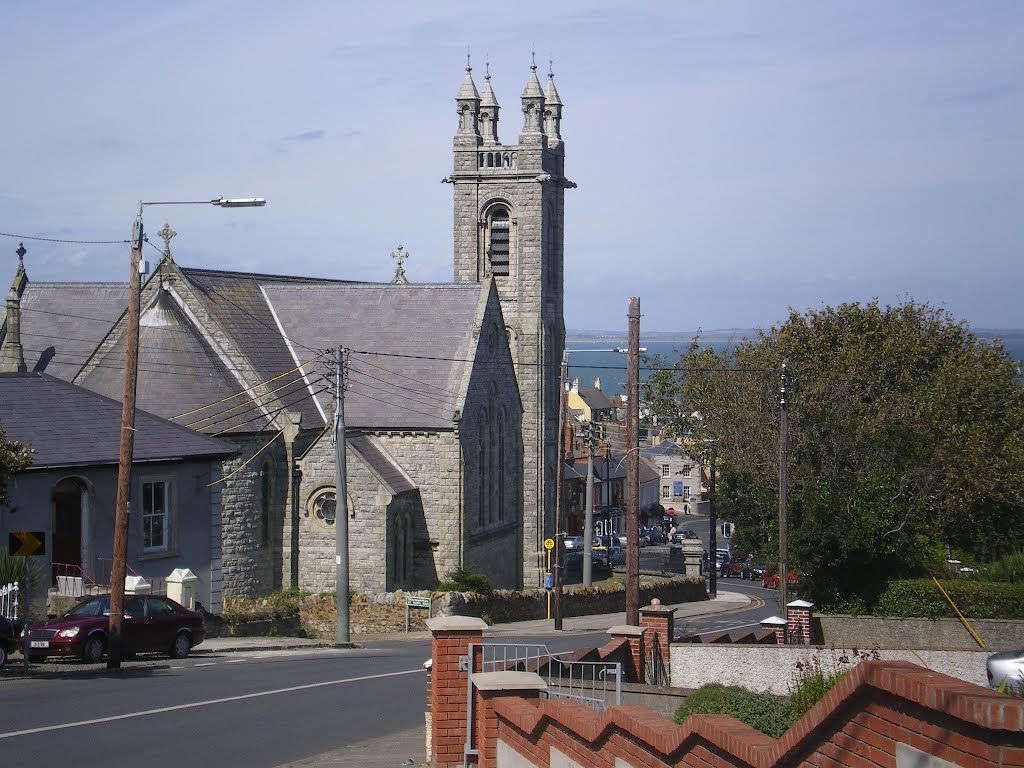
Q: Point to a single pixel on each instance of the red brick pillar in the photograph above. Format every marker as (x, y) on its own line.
(488, 687)
(635, 637)
(660, 621)
(798, 621)
(776, 624)
(450, 639)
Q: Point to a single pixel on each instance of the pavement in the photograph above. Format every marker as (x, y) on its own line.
(407, 748)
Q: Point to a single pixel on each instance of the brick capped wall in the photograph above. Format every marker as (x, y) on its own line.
(880, 714)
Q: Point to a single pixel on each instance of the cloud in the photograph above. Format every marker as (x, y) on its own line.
(316, 135)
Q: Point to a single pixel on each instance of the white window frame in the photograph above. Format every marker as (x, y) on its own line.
(666, 491)
(666, 470)
(168, 514)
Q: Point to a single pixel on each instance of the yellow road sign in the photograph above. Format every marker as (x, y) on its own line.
(25, 543)
(549, 544)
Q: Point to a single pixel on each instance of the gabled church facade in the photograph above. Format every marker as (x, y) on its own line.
(450, 394)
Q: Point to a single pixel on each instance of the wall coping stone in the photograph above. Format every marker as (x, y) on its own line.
(799, 604)
(456, 624)
(628, 630)
(774, 621)
(509, 681)
(657, 609)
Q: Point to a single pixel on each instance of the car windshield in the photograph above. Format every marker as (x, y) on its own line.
(98, 606)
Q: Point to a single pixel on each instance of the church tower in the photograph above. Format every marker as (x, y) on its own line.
(509, 214)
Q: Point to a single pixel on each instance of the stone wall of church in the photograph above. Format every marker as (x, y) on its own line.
(369, 554)
(250, 567)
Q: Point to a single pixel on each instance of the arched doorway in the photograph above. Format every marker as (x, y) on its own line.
(69, 503)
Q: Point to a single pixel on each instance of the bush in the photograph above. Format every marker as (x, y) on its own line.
(975, 599)
(761, 711)
(464, 580)
(1009, 569)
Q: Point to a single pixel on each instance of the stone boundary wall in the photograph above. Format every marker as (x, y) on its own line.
(771, 668)
(506, 605)
(927, 634)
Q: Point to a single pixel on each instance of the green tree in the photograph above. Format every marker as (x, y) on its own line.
(906, 435)
(13, 457)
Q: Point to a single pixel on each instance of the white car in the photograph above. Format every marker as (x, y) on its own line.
(1006, 670)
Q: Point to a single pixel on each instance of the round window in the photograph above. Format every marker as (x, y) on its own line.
(325, 507)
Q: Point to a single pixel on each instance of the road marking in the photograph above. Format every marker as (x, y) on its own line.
(178, 707)
(232, 661)
(206, 664)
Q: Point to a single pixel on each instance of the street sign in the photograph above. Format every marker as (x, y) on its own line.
(549, 544)
(25, 543)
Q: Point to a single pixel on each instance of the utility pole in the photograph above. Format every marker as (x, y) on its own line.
(126, 451)
(588, 521)
(783, 476)
(341, 576)
(559, 480)
(713, 532)
(633, 467)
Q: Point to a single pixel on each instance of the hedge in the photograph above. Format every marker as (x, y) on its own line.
(918, 598)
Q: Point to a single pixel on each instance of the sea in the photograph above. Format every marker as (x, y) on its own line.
(599, 359)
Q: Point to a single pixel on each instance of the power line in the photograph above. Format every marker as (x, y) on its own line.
(59, 240)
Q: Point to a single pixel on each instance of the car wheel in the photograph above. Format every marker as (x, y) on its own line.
(35, 658)
(92, 653)
(3, 655)
(182, 645)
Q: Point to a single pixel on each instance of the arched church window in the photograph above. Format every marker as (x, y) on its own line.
(499, 241)
(481, 468)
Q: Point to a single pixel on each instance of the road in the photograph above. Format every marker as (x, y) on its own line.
(264, 708)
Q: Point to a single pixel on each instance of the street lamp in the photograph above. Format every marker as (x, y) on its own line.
(119, 554)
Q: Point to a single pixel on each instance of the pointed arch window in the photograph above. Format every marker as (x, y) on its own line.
(499, 241)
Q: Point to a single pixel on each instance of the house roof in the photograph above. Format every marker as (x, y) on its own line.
(70, 426)
(62, 323)
(665, 448)
(387, 470)
(595, 398)
(410, 345)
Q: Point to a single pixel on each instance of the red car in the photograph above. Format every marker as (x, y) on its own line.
(151, 623)
(770, 580)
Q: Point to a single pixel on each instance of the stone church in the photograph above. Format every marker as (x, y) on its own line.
(450, 390)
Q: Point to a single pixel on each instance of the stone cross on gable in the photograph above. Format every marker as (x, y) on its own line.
(166, 234)
(400, 255)
(21, 255)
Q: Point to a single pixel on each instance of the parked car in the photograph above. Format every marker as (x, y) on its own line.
(573, 543)
(9, 632)
(770, 579)
(1006, 671)
(730, 568)
(657, 535)
(151, 623)
(682, 534)
(754, 571)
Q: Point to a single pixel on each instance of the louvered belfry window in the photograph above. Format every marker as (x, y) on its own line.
(499, 241)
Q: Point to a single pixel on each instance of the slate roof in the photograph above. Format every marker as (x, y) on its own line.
(410, 344)
(596, 399)
(236, 301)
(382, 464)
(664, 448)
(69, 426)
(178, 374)
(62, 323)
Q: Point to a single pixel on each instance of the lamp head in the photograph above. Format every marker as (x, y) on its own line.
(239, 202)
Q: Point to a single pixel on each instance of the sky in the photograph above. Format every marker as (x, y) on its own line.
(733, 160)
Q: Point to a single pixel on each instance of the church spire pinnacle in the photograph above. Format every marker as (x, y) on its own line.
(468, 104)
(552, 108)
(12, 355)
(489, 110)
(533, 108)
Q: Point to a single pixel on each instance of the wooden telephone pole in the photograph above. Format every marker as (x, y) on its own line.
(633, 466)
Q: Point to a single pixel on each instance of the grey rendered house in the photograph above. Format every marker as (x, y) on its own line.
(69, 491)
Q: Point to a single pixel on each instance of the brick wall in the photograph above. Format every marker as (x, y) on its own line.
(880, 714)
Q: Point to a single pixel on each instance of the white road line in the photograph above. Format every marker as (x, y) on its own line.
(231, 661)
(177, 707)
(206, 664)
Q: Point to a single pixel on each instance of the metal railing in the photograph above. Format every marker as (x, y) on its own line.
(73, 581)
(597, 684)
(9, 600)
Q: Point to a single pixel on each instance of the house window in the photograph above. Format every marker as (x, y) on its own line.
(687, 469)
(686, 491)
(666, 492)
(499, 241)
(665, 470)
(156, 511)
